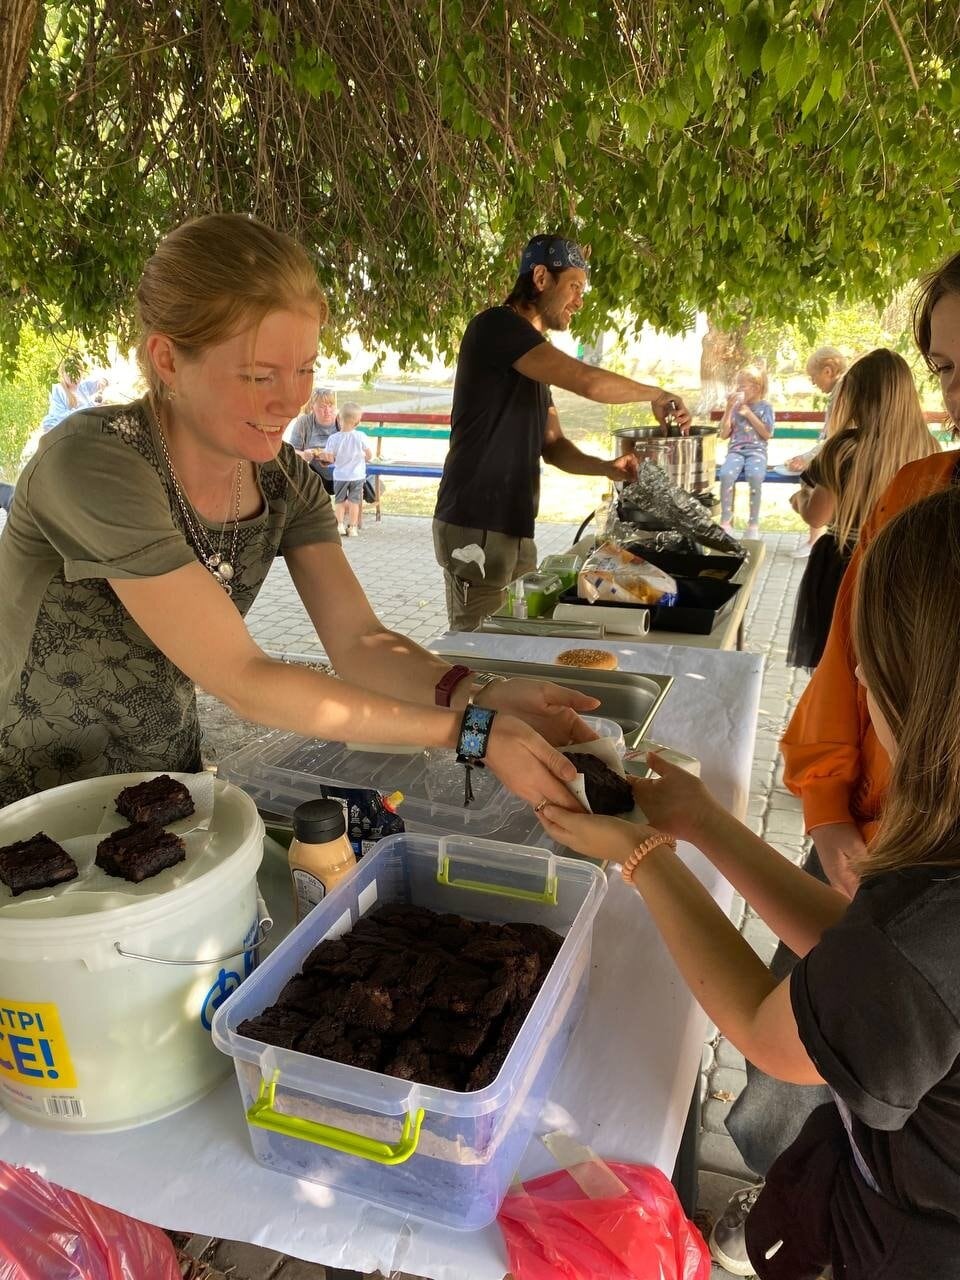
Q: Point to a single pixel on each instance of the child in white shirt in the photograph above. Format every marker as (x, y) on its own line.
(349, 450)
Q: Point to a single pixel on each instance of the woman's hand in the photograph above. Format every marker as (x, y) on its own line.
(675, 802)
(551, 709)
(528, 765)
(797, 463)
(593, 834)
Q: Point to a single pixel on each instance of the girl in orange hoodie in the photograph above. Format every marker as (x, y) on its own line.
(832, 759)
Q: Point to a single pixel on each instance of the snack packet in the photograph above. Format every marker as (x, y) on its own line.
(616, 576)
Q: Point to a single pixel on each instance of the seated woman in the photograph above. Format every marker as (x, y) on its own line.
(870, 1185)
(141, 534)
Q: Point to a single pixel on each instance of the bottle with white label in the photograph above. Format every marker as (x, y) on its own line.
(320, 853)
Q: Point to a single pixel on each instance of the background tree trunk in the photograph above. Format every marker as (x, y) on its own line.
(723, 353)
(18, 20)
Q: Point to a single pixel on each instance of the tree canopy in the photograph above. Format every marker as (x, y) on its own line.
(748, 157)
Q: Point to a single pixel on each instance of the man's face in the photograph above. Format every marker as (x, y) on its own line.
(560, 298)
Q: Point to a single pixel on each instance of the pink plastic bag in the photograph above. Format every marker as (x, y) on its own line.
(49, 1233)
(598, 1221)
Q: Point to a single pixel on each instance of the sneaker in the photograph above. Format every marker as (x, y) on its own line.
(752, 531)
(342, 530)
(727, 1243)
(353, 532)
(801, 552)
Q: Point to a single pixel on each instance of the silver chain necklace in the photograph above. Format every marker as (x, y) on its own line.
(222, 570)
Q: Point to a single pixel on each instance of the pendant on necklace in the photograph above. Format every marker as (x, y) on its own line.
(223, 569)
(212, 561)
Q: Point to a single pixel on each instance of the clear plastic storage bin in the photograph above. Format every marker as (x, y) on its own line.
(437, 1154)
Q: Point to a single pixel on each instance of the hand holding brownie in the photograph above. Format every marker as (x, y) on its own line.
(675, 801)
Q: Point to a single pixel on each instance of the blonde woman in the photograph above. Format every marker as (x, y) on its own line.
(312, 428)
(825, 367)
(872, 1009)
(747, 423)
(141, 534)
(877, 427)
(69, 393)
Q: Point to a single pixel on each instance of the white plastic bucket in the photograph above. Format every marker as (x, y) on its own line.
(107, 994)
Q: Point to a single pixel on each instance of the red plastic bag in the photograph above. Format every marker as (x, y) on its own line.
(598, 1221)
(49, 1233)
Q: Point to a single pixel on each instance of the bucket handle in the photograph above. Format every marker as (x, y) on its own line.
(263, 1114)
(264, 925)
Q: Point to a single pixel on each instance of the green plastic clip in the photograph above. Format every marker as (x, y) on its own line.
(264, 1115)
(547, 895)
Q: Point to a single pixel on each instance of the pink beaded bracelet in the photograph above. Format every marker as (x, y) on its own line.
(646, 846)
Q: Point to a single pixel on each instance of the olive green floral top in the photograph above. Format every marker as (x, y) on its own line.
(83, 691)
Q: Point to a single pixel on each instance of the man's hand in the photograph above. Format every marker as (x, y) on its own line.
(624, 468)
(836, 844)
(667, 405)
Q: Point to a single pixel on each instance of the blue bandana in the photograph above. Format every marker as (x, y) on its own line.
(554, 254)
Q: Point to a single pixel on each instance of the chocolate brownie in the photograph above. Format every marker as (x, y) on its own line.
(410, 1062)
(281, 1027)
(140, 851)
(413, 994)
(327, 955)
(321, 1036)
(606, 791)
(160, 800)
(367, 1006)
(444, 1034)
(457, 990)
(37, 863)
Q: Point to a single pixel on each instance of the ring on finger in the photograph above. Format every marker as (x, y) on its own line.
(539, 808)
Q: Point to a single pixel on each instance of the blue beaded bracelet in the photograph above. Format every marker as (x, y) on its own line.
(472, 743)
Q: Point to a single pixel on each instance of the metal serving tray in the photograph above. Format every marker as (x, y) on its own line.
(281, 770)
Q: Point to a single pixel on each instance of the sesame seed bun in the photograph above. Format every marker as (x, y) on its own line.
(597, 659)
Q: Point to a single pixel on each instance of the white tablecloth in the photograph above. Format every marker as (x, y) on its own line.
(624, 1087)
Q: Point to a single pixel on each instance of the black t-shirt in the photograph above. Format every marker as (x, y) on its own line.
(491, 477)
(877, 1003)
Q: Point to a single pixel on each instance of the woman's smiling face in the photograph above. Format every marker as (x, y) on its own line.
(237, 396)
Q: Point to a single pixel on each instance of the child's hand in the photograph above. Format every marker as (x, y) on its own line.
(592, 834)
(675, 802)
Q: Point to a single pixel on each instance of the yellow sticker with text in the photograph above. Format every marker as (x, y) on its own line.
(33, 1048)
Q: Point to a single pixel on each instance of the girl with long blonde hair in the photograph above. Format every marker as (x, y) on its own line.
(877, 426)
(872, 1008)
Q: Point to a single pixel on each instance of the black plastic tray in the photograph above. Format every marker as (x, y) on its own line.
(701, 603)
(681, 565)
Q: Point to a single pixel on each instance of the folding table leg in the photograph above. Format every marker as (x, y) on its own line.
(688, 1156)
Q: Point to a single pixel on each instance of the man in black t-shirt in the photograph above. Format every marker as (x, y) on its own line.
(503, 422)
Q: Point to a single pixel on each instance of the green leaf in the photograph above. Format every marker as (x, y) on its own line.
(812, 100)
(772, 52)
(791, 64)
(558, 153)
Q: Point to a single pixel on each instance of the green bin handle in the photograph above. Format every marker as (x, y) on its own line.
(547, 895)
(264, 1116)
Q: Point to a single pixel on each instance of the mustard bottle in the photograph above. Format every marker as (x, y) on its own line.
(320, 853)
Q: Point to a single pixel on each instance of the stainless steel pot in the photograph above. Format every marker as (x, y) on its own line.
(690, 461)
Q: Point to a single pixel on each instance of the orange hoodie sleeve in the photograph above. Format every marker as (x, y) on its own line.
(832, 758)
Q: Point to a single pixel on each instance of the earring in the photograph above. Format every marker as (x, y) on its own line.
(171, 394)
